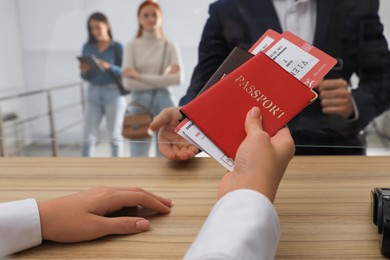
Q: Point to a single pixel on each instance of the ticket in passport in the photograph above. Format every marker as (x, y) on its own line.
(189, 131)
(295, 56)
(301, 59)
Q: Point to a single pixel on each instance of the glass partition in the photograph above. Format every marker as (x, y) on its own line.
(67, 148)
(43, 99)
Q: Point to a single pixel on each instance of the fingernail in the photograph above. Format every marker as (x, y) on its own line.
(255, 112)
(142, 224)
(150, 132)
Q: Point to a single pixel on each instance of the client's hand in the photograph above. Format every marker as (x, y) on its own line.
(81, 216)
(336, 98)
(260, 161)
(172, 145)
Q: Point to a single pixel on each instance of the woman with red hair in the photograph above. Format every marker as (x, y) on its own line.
(150, 65)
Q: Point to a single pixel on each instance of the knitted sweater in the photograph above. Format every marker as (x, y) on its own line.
(145, 54)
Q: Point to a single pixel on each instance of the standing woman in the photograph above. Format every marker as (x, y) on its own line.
(150, 65)
(103, 96)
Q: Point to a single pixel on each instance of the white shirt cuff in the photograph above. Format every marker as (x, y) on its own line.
(20, 226)
(242, 225)
(355, 112)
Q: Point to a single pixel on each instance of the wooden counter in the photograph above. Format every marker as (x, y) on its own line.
(323, 203)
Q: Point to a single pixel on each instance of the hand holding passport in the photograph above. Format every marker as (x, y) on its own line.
(277, 76)
(262, 175)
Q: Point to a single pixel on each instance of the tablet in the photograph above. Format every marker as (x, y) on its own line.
(92, 61)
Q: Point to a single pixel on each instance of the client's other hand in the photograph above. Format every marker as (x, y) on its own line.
(172, 145)
(81, 216)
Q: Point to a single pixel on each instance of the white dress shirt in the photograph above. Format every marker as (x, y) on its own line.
(20, 226)
(242, 225)
(298, 17)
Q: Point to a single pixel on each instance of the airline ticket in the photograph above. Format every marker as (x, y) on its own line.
(299, 58)
(189, 131)
(265, 41)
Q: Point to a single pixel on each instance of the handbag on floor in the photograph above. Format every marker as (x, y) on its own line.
(136, 126)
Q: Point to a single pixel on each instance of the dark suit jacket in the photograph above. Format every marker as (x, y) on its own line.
(347, 29)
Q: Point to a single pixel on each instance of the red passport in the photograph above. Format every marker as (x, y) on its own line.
(221, 110)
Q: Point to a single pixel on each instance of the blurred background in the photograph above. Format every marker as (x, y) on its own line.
(41, 93)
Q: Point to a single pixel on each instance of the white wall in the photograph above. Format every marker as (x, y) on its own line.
(53, 32)
(11, 62)
(384, 10)
(11, 67)
(45, 36)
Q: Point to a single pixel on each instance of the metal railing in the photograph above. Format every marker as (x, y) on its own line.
(50, 113)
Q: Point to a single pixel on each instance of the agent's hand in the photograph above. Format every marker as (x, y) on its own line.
(260, 161)
(106, 65)
(336, 97)
(81, 216)
(84, 67)
(172, 145)
(131, 73)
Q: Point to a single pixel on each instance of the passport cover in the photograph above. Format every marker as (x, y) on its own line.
(221, 110)
(236, 58)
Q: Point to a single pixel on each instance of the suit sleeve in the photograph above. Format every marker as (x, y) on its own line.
(213, 49)
(242, 225)
(372, 58)
(20, 226)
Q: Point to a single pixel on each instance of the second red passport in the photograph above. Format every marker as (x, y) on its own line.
(221, 110)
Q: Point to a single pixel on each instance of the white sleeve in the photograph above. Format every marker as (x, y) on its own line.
(355, 112)
(20, 226)
(242, 225)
